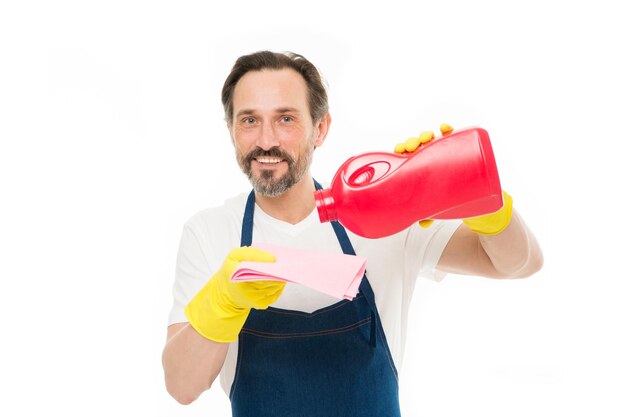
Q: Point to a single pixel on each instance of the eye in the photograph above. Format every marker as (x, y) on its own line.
(286, 119)
(248, 120)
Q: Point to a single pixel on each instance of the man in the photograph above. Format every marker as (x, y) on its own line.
(306, 355)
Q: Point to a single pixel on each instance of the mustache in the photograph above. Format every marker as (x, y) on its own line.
(272, 152)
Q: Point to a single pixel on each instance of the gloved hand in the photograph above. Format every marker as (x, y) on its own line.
(219, 310)
(489, 224)
(412, 144)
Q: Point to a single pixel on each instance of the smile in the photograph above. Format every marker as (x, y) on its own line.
(268, 160)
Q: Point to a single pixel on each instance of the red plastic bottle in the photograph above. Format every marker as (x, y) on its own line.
(378, 194)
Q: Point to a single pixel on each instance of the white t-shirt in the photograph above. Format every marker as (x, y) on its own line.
(393, 263)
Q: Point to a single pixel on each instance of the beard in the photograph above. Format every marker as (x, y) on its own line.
(268, 183)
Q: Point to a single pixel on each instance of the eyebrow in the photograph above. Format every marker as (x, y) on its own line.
(247, 112)
(287, 110)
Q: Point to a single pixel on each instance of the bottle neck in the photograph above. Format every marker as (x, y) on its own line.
(325, 205)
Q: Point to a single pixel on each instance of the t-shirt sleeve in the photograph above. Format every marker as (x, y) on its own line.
(192, 272)
(429, 244)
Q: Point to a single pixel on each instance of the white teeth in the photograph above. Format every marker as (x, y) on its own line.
(269, 160)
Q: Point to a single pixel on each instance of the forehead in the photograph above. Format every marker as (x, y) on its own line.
(270, 89)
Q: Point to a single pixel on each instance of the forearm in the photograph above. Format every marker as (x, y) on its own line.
(514, 252)
(191, 362)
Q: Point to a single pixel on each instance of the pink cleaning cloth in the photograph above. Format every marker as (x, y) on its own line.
(335, 274)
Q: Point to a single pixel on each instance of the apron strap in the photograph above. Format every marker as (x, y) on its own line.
(248, 221)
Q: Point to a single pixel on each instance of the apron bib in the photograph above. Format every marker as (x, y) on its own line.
(332, 362)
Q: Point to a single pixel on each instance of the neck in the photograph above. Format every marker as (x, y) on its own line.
(293, 205)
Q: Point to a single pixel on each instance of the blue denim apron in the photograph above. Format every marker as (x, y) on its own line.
(332, 362)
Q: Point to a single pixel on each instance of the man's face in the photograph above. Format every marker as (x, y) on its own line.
(272, 130)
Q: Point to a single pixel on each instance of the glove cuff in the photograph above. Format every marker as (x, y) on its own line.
(494, 223)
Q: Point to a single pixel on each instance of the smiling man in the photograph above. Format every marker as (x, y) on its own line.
(272, 129)
(286, 350)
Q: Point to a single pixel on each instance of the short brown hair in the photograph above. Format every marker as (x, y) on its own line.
(318, 99)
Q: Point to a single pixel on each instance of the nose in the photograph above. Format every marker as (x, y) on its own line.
(267, 138)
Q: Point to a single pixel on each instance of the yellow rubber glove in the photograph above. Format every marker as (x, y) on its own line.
(219, 310)
(494, 223)
(412, 144)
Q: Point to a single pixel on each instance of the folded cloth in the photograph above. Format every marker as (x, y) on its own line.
(335, 274)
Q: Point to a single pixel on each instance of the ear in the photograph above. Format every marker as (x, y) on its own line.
(321, 128)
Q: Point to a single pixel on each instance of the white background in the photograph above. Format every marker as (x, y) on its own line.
(112, 137)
